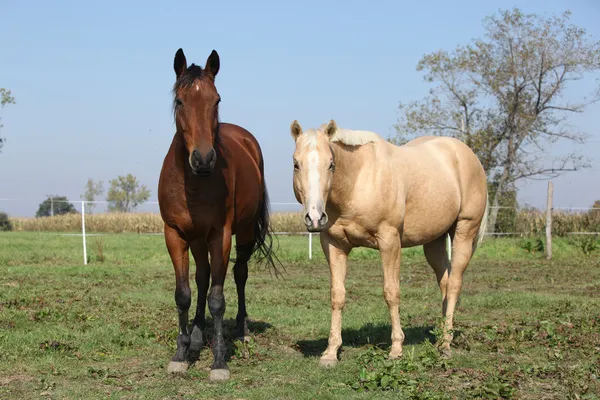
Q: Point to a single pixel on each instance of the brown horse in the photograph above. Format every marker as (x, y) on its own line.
(359, 190)
(211, 186)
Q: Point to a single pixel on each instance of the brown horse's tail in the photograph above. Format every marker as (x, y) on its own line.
(263, 236)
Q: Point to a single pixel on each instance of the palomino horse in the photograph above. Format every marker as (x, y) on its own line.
(359, 190)
(211, 187)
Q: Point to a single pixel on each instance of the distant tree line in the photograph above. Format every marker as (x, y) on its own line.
(125, 194)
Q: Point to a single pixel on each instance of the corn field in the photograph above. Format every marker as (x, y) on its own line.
(129, 222)
(527, 223)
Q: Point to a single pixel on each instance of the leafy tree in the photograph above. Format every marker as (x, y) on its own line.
(55, 205)
(504, 97)
(5, 224)
(92, 190)
(5, 99)
(125, 194)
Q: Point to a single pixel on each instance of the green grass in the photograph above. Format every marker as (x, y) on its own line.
(526, 327)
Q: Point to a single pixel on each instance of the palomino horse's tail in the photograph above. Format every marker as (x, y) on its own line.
(483, 225)
(263, 245)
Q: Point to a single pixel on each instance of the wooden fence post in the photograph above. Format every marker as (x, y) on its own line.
(549, 221)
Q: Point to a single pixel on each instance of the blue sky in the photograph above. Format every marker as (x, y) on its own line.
(92, 81)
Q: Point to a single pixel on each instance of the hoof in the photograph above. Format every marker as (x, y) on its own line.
(217, 375)
(328, 362)
(244, 339)
(176, 367)
(445, 353)
(395, 355)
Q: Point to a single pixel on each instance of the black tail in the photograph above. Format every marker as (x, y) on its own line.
(263, 237)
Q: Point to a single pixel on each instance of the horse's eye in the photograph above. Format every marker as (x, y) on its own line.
(296, 166)
(332, 166)
(178, 103)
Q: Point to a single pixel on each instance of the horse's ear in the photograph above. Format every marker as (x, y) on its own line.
(212, 64)
(331, 129)
(296, 130)
(180, 63)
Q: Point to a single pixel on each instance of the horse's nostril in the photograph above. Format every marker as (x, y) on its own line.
(323, 220)
(196, 157)
(211, 156)
(307, 220)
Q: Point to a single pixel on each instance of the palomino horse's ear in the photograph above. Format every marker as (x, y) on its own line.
(212, 64)
(180, 63)
(331, 129)
(296, 130)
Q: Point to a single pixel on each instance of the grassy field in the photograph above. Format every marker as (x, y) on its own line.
(525, 328)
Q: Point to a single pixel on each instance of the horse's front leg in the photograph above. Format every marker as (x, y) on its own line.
(178, 250)
(219, 246)
(337, 258)
(390, 250)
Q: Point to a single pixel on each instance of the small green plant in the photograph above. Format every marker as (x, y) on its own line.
(494, 388)
(99, 242)
(587, 243)
(532, 245)
(377, 372)
(5, 224)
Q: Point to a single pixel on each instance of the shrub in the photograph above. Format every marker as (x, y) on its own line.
(5, 224)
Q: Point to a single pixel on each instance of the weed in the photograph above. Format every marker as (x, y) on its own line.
(532, 245)
(586, 243)
(99, 242)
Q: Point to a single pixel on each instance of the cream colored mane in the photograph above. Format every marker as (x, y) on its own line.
(349, 137)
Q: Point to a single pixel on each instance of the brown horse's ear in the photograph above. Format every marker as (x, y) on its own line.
(296, 130)
(331, 129)
(212, 64)
(180, 63)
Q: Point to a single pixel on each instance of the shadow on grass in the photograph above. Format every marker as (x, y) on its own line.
(379, 334)
(230, 333)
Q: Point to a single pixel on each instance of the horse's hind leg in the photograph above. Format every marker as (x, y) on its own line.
(462, 250)
(200, 253)
(178, 250)
(437, 256)
(243, 247)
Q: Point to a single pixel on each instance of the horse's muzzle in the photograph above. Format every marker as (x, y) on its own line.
(315, 226)
(203, 165)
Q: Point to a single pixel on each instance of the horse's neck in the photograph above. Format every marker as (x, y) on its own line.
(348, 163)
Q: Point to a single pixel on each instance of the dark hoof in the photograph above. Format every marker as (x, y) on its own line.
(217, 375)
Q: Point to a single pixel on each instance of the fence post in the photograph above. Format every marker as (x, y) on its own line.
(310, 246)
(549, 221)
(83, 232)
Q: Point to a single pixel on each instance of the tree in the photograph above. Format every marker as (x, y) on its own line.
(5, 99)
(92, 190)
(55, 205)
(125, 194)
(504, 97)
(5, 224)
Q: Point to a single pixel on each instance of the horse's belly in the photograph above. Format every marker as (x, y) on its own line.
(422, 228)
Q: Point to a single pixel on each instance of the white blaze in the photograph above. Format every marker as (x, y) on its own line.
(313, 187)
